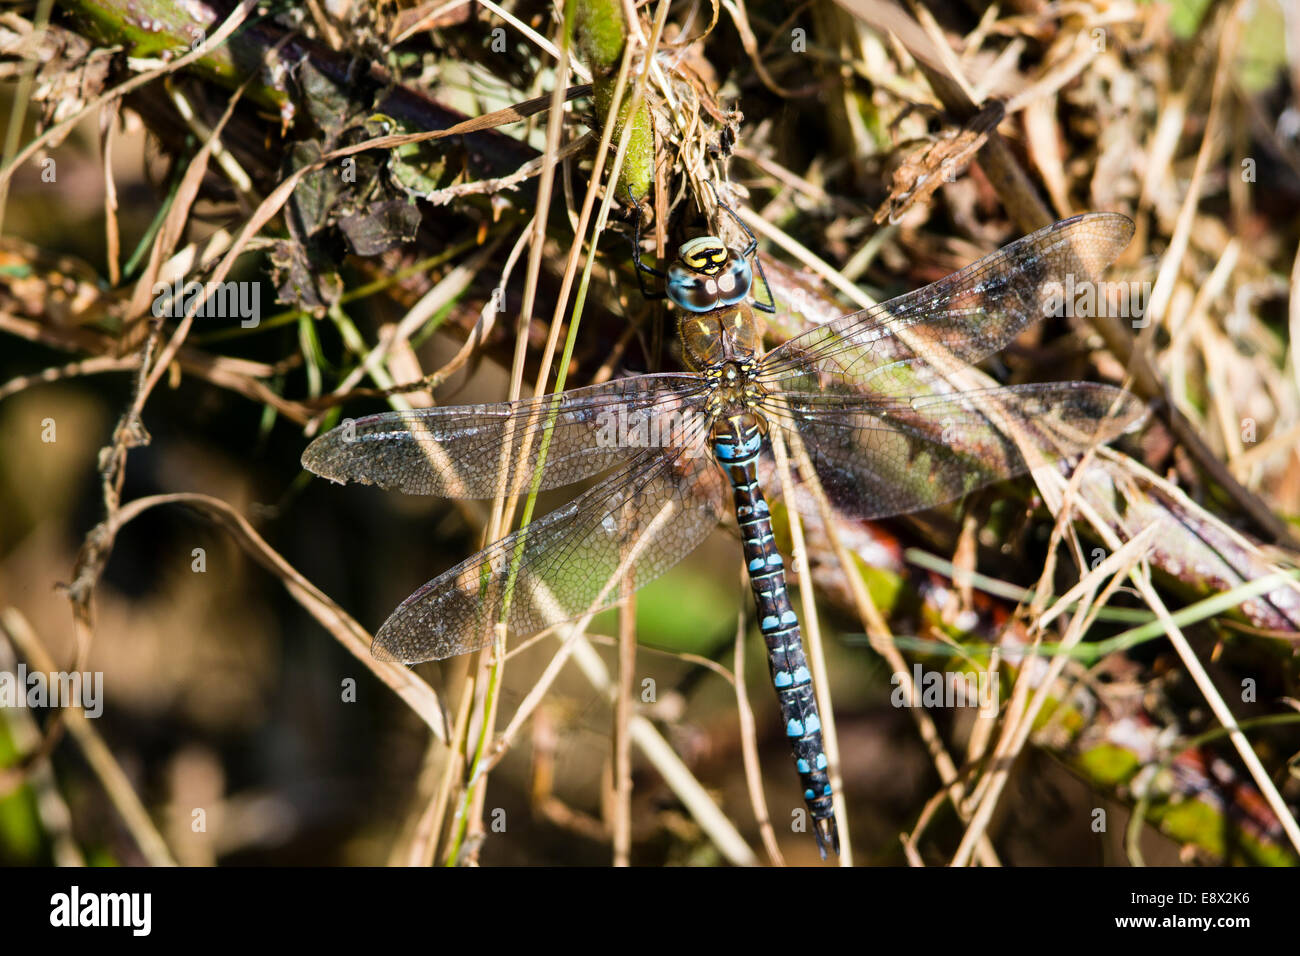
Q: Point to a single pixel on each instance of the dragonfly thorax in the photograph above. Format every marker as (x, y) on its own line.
(734, 390)
(721, 335)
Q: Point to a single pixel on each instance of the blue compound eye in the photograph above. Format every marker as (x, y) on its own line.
(692, 291)
(735, 280)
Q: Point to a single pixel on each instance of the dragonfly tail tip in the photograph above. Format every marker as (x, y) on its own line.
(827, 832)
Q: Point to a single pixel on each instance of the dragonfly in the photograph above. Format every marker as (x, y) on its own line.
(868, 397)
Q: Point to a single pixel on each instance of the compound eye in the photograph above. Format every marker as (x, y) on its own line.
(693, 292)
(735, 279)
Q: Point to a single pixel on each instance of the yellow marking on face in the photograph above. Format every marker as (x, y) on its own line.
(704, 254)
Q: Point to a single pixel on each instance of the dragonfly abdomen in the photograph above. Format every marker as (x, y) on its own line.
(737, 442)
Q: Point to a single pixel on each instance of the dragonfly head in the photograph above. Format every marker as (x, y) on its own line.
(708, 275)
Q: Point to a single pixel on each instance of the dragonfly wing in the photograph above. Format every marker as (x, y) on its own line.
(482, 451)
(882, 457)
(634, 525)
(889, 349)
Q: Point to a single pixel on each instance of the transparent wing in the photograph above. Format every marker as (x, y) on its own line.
(878, 457)
(966, 316)
(634, 526)
(481, 451)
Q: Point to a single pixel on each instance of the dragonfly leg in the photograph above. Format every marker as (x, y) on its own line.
(642, 269)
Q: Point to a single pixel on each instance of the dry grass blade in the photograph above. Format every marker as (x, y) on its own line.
(1021, 714)
(110, 773)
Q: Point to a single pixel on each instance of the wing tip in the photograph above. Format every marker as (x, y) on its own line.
(326, 457)
(1115, 225)
(316, 456)
(1133, 412)
(1118, 412)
